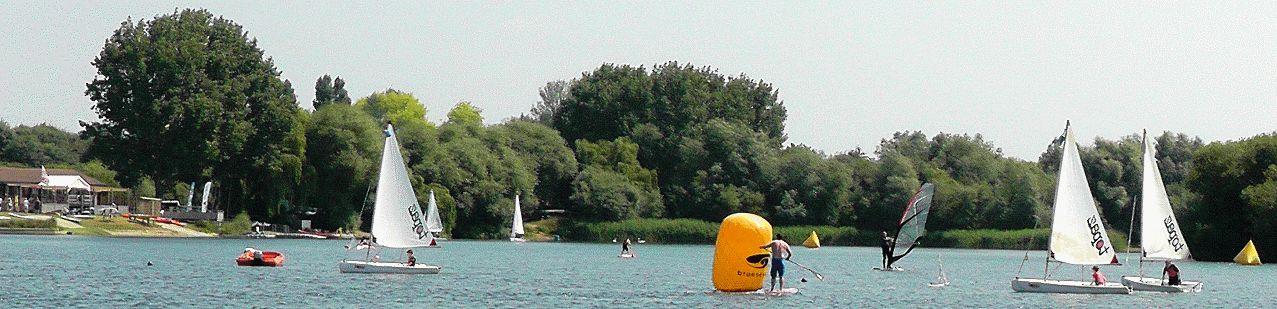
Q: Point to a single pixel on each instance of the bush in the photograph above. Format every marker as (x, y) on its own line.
(682, 231)
(29, 224)
(239, 225)
(1028, 239)
(829, 235)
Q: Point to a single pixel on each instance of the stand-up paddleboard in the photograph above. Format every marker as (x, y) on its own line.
(893, 268)
(784, 291)
(739, 264)
(626, 255)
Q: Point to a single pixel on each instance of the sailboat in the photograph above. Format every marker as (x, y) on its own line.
(434, 224)
(1077, 232)
(516, 225)
(941, 278)
(913, 224)
(397, 221)
(1160, 237)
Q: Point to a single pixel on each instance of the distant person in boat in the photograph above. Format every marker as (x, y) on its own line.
(1172, 273)
(886, 250)
(780, 253)
(625, 246)
(1098, 276)
(412, 260)
(255, 254)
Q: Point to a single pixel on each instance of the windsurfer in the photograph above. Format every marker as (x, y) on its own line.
(887, 242)
(780, 252)
(1172, 273)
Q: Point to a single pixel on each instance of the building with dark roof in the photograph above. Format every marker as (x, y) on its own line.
(41, 195)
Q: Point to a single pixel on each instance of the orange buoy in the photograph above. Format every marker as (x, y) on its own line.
(739, 265)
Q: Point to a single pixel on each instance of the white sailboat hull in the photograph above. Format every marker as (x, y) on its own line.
(367, 267)
(1158, 285)
(1034, 285)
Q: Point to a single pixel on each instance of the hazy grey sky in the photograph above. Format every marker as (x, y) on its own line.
(850, 74)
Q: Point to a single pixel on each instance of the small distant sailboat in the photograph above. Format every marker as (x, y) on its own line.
(812, 241)
(434, 224)
(516, 225)
(1077, 232)
(396, 219)
(941, 279)
(1160, 237)
(1248, 256)
(913, 224)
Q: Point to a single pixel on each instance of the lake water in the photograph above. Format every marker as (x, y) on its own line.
(98, 272)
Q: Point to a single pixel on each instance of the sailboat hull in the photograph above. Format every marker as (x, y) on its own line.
(1033, 285)
(1158, 285)
(368, 267)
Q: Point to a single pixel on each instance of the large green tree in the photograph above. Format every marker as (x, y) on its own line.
(343, 149)
(186, 97)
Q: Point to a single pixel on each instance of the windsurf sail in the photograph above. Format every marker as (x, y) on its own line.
(913, 224)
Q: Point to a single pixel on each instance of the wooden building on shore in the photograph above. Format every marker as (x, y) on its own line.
(47, 190)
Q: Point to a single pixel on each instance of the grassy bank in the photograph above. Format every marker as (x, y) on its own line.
(688, 231)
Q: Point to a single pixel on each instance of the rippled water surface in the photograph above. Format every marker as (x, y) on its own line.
(97, 272)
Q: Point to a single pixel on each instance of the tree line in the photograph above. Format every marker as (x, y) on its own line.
(620, 142)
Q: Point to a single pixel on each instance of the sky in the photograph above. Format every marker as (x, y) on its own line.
(850, 73)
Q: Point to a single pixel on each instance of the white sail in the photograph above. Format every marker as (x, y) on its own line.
(397, 221)
(433, 223)
(1077, 232)
(516, 227)
(1160, 236)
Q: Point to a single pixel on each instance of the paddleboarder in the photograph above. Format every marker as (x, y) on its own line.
(625, 246)
(780, 252)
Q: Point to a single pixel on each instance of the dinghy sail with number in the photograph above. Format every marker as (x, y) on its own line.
(1077, 232)
(516, 225)
(913, 224)
(1160, 236)
(397, 221)
(434, 224)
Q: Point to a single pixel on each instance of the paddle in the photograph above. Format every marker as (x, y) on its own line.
(818, 276)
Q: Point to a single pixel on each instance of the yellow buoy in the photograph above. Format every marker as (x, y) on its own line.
(739, 265)
(812, 241)
(1248, 256)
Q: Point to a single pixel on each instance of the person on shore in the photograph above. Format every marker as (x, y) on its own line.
(26, 205)
(780, 252)
(1172, 273)
(1097, 276)
(412, 260)
(887, 242)
(625, 246)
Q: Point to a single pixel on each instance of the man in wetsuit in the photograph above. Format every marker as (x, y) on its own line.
(780, 253)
